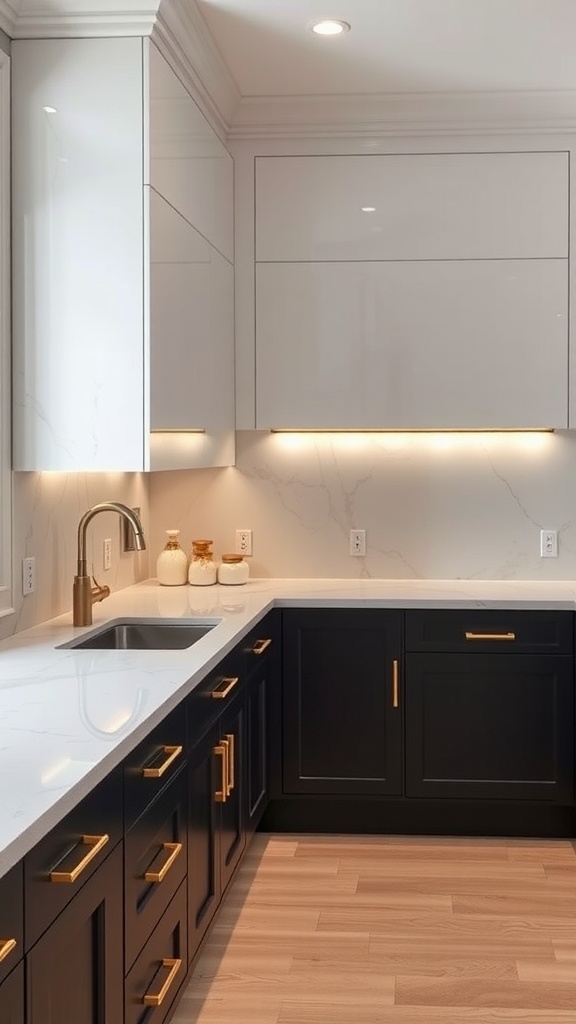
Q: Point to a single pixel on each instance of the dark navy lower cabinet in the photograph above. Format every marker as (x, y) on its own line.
(342, 707)
(12, 997)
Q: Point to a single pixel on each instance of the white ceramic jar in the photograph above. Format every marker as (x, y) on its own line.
(172, 564)
(233, 570)
(202, 570)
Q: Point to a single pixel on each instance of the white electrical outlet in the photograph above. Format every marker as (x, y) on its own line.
(357, 542)
(548, 544)
(107, 555)
(28, 576)
(243, 542)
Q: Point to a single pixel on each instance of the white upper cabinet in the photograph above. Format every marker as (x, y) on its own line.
(427, 206)
(422, 291)
(412, 345)
(117, 294)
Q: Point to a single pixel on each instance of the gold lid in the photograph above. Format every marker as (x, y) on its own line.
(232, 557)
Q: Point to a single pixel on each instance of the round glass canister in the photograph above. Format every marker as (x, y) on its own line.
(233, 569)
(172, 564)
(202, 570)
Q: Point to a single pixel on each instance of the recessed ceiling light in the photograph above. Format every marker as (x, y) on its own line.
(50, 110)
(368, 209)
(330, 27)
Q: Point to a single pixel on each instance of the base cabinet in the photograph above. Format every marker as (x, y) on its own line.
(75, 970)
(12, 997)
(216, 837)
(490, 727)
(342, 723)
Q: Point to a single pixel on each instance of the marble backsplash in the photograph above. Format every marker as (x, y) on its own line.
(434, 506)
(47, 508)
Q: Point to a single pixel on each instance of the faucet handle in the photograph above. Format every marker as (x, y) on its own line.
(99, 592)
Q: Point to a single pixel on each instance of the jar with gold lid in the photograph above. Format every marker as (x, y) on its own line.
(233, 569)
(172, 563)
(202, 570)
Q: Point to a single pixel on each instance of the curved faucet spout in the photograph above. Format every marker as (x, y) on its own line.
(84, 594)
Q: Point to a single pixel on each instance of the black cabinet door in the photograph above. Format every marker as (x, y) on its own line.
(256, 746)
(75, 971)
(489, 726)
(206, 772)
(12, 997)
(342, 705)
(231, 827)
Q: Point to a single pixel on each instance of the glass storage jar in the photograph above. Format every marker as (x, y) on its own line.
(233, 569)
(202, 570)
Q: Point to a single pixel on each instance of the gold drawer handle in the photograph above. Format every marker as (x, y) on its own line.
(230, 741)
(260, 646)
(157, 773)
(157, 1000)
(6, 947)
(395, 700)
(158, 876)
(221, 795)
(96, 843)
(490, 636)
(224, 687)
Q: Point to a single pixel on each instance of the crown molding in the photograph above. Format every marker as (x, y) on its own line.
(38, 19)
(404, 114)
(9, 16)
(183, 38)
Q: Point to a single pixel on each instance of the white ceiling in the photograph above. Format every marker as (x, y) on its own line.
(395, 46)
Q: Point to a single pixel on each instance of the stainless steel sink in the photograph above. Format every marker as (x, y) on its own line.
(144, 635)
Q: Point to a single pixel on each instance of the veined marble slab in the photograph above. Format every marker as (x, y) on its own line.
(67, 717)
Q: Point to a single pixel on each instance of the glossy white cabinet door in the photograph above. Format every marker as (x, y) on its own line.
(191, 326)
(416, 206)
(77, 254)
(189, 165)
(422, 345)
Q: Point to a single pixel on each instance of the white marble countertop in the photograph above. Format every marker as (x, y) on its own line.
(68, 717)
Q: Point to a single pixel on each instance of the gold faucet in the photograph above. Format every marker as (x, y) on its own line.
(84, 594)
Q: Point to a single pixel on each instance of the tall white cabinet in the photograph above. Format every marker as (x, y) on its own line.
(412, 291)
(122, 263)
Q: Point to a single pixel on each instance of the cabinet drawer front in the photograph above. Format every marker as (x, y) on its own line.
(151, 978)
(261, 644)
(490, 632)
(75, 842)
(11, 920)
(154, 764)
(423, 206)
(214, 694)
(155, 861)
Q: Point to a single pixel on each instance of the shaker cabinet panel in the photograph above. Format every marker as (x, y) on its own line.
(420, 345)
(12, 997)
(342, 719)
(490, 726)
(412, 206)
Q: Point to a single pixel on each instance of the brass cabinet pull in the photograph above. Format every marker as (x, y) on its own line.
(231, 783)
(157, 999)
(158, 876)
(260, 646)
(95, 843)
(224, 687)
(6, 947)
(490, 636)
(221, 795)
(157, 773)
(395, 700)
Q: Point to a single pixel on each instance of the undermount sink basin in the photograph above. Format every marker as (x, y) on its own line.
(144, 635)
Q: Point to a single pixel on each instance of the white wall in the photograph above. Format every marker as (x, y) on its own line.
(435, 506)
(47, 509)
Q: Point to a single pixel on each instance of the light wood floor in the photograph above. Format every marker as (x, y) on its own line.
(380, 930)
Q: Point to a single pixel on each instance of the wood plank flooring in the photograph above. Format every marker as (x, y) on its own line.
(392, 930)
